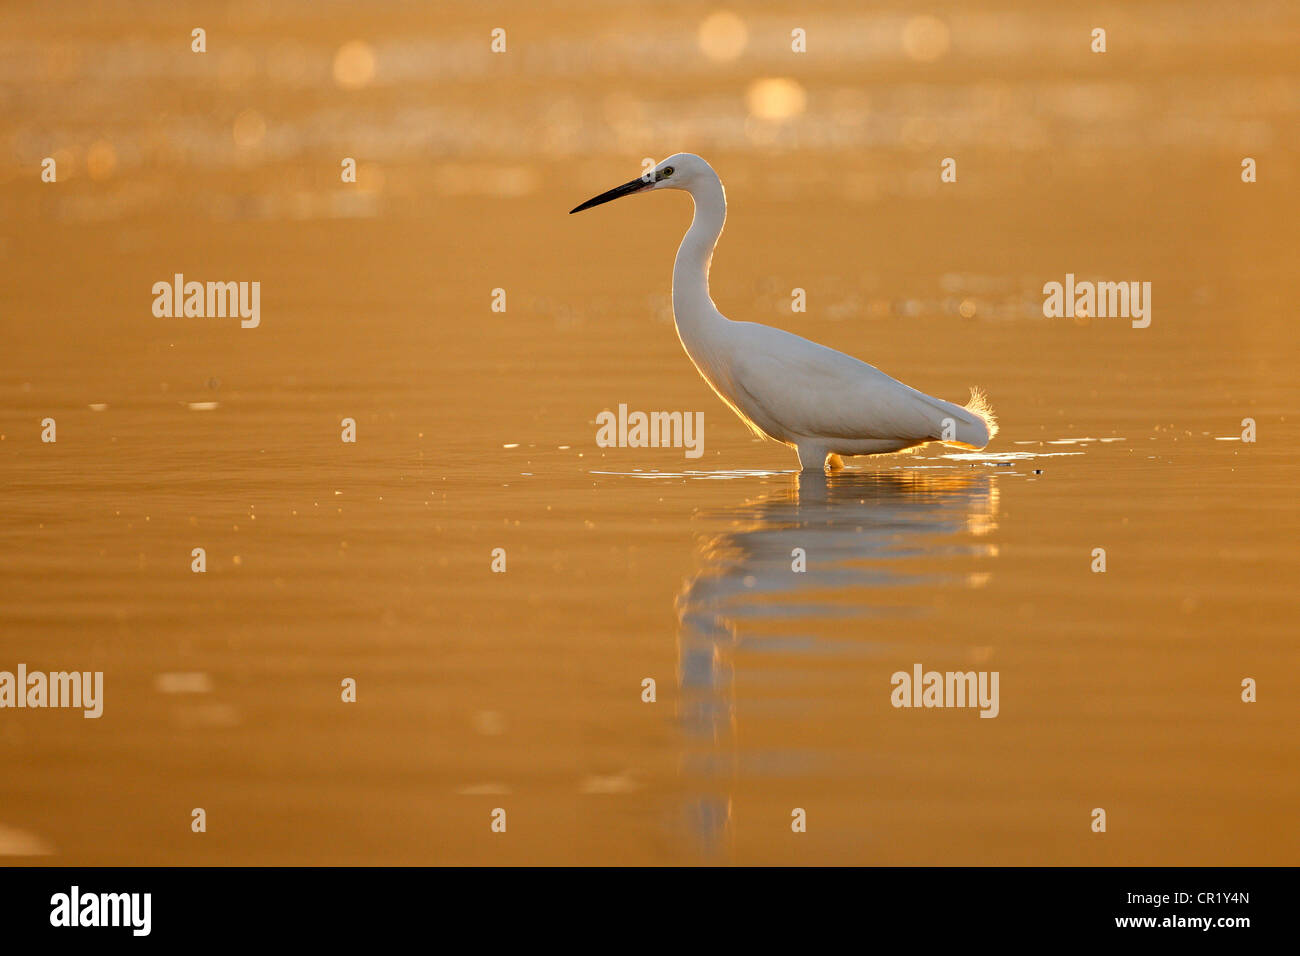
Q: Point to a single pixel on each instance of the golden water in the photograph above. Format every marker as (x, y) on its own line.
(476, 431)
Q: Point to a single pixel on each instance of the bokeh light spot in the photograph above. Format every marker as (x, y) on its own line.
(354, 65)
(925, 39)
(101, 159)
(249, 129)
(723, 36)
(776, 98)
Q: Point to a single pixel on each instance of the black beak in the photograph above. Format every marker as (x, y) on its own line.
(627, 189)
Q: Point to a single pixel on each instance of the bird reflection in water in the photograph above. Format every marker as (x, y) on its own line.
(857, 534)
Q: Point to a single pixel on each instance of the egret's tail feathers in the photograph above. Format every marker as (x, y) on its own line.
(980, 425)
(979, 406)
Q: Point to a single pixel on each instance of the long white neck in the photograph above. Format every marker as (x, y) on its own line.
(692, 307)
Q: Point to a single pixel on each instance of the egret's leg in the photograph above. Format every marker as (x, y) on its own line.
(812, 457)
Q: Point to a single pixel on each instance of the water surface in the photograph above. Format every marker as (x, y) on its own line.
(476, 431)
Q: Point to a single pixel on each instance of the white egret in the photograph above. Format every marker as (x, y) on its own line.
(822, 402)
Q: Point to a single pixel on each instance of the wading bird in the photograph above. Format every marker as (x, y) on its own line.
(823, 403)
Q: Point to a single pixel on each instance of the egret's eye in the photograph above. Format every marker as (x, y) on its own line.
(668, 171)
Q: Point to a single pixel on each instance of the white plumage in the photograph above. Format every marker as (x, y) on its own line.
(822, 402)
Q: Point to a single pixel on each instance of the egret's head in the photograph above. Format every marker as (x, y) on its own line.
(678, 171)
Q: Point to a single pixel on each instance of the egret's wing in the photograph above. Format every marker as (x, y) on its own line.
(816, 391)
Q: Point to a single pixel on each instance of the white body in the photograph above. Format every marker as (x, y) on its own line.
(820, 401)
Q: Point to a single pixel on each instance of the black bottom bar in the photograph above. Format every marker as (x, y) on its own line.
(978, 906)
